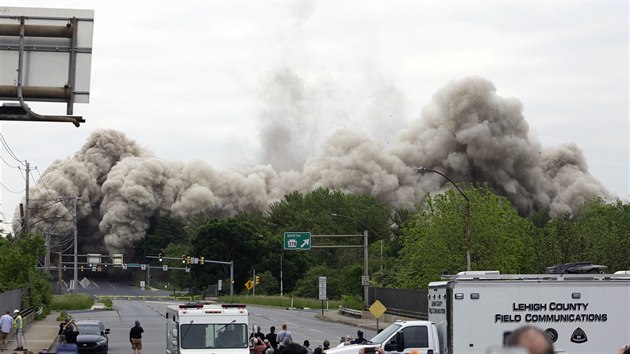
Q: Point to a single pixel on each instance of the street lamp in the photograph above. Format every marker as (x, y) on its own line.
(422, 169)
(365, 256)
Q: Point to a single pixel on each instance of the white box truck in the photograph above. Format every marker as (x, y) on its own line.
(474, 311)
(195, 328)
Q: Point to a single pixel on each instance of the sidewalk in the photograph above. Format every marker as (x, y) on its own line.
(40, 336)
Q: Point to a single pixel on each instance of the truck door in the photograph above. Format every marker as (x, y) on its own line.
(416, 339)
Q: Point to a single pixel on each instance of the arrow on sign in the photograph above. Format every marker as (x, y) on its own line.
(305, 243)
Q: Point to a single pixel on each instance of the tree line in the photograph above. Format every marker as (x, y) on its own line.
(407, 248)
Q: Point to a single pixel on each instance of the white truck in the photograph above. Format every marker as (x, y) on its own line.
(474, 311)
(196, 328)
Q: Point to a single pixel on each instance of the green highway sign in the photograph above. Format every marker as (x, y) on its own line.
(133, 265)
(300, 241)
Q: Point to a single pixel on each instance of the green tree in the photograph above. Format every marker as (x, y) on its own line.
(18, 269)
(325, 212)
(434, 241)
(180, 278)
(225, 240)
(602, 234)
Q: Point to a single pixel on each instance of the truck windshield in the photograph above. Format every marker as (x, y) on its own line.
(208, 335)
(386, 333)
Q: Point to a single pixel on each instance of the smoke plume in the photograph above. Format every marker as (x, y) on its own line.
(467, 132)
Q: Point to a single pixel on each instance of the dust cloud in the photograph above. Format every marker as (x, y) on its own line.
(467, 132)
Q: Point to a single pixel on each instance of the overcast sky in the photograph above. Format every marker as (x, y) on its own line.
(191, 79)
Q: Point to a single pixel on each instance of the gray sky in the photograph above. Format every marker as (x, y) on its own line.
(194, 79)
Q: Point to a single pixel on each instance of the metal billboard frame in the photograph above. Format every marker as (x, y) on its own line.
(50, 49)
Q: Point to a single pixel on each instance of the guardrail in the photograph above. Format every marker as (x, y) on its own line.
(350, 312)
(149, 297)
(416, 315)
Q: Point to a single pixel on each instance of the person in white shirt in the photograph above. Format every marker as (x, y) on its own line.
(6, 323)
(284, 337)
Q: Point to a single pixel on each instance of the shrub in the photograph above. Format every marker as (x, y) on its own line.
(107, 301)
(71, 302)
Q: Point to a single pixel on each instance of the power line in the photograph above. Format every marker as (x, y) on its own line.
(6, 163)
(41, 180)
(8, 148)
(7, 188)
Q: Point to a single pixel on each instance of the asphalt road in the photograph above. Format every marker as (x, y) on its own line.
(302, 323)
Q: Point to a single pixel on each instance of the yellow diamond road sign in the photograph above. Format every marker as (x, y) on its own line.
(378, 309)
(249, 284)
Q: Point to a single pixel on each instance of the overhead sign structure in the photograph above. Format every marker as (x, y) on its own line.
(45, 55)
(322, 288)
(300, 241)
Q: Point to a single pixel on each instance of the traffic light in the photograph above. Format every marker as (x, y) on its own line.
(160, 256)
(202, 260)
(81, 268)
(188, 259)
(257, 280)
(183, 259)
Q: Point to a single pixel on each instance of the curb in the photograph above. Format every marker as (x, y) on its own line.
(347, 322)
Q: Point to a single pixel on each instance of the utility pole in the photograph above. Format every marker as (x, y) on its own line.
(254, 281)
(59, 272)
(76, 270)
(231, 278)
(365, 268)
(47, 258)
(27, 211)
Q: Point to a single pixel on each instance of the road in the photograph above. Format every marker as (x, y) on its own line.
(302, 323)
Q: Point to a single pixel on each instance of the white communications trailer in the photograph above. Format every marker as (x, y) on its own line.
(582, 313)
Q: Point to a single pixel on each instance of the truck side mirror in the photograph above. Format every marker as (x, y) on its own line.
(398, 344)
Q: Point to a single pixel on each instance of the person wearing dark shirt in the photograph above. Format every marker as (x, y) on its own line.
(271, 337)
(71, 331)
(61, 333)
(135, 337)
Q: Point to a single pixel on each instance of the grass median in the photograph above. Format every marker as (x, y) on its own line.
(71, 302)
(280, 301)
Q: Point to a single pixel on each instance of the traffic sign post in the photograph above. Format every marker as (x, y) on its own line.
(322, 291)
(377, 309)
(300, 241)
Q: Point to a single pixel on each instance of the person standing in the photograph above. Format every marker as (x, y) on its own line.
(71, 331)
(307, 346)
(135, 337)
(6, 323)
(326, 345)
(284, 337)
(271, 337)
(360, 339)
(18, 324)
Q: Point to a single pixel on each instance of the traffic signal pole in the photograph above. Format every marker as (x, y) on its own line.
(204, 260)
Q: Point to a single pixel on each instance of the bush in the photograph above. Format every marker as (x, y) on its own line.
(71, 302)
(62, 316)
(107, 301)
(352, 302)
